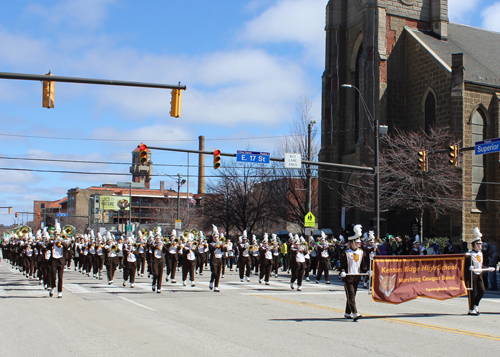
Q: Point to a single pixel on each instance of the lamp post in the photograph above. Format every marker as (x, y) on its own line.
(180, 182)
(308, 172)
(376, 181)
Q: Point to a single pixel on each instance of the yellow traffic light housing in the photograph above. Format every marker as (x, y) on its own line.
(16, 214)
(48, 93)
(143, 154)
(454, 155)
(175, 103)
(422, 160)
(216, 159)
(10, 210)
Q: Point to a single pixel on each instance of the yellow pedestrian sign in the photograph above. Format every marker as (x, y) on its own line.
(309, 220)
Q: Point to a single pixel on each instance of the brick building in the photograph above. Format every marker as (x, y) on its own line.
(414, 69)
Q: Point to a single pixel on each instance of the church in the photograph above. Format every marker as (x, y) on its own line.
(414, 69)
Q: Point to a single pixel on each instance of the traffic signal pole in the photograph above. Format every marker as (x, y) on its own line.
(279, 159)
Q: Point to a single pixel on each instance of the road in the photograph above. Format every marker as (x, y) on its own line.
(244, 319)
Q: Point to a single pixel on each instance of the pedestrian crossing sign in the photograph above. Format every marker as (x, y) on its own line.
(309, 220)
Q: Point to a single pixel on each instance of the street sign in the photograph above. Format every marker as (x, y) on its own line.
(293, 161)
(487, 146)
(253, 156)
(178, 224)
(309, 220)
(61, 215)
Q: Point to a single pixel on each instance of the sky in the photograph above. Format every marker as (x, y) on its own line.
(245, 63)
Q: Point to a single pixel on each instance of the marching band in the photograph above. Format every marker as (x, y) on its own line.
(47, 254)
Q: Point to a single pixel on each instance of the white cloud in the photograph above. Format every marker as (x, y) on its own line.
(491, 17)
(459, 10)
(84, 13)
(296, 21)
(19, 49)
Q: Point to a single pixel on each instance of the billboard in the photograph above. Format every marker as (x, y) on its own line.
(114, 203)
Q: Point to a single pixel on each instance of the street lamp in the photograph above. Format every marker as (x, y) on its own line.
(308, 172)
(180, 182)
(375, 128)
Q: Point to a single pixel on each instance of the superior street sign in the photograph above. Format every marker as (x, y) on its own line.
(487, 146)
(252, 156)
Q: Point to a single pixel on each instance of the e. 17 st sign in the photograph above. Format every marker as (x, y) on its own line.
(487, 146)
(252, 156)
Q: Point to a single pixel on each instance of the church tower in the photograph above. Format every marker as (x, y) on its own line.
(141, 172)
(364, 48)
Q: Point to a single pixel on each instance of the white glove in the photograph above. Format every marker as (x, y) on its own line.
(492, 269)
(343, 274)
(370, 273)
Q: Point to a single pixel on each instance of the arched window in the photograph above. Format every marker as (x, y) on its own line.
(430, 111)
(478, 123)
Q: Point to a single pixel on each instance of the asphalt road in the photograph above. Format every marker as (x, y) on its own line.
(244, 319)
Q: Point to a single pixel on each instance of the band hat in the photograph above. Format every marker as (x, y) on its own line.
(477, 236)
(215, 231)
(357, 233)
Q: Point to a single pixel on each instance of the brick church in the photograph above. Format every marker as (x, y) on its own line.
(414, 69)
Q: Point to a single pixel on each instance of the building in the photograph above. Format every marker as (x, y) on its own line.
(414, 69)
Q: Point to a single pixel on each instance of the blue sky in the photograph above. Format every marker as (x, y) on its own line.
(245, 63)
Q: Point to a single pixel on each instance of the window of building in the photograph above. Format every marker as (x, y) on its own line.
(430, 111)
(478, 124)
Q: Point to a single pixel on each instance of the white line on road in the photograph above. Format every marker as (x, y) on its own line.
(296, 293)
(136, 303)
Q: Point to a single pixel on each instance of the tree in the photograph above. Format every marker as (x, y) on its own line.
(402, 185)
(241, 197)
(291, 184)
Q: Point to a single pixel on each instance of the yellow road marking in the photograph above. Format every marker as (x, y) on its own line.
(399, 321)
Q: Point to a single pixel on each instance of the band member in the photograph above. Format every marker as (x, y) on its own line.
(266, 260)
(225, 243)
(230, 255)
(119, 253)
(188, 262)
(140, 254)
(370, 250)
(111, 251)
(323, 258)
(275, 249)
(307, 256)
(297, 262)
(201, 254)
(255, 255)
(172, 255)
(216, 251)
(474, 263)
(57, 263)
(98, 258)
(130, 262)
(157, 263)
(353, 262)
(244, 257)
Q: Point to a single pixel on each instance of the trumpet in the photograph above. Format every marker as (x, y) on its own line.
(251, 248)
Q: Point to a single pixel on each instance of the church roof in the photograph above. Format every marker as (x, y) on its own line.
(480, 48)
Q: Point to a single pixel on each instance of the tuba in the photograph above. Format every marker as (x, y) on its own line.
(165, 240)
(69, 230)
(145, 232)
(25, 230)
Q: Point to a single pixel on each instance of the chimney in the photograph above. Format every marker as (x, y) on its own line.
(201, 166)
(162, 186)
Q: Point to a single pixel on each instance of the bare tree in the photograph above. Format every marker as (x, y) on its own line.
(290, 188)
(403, 185)
(241, 198)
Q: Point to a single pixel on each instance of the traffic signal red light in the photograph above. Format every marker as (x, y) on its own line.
(38, 214)
(143, 154)
(16, 214)
(216, 159)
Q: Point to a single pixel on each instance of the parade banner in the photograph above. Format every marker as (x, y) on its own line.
(402, 278)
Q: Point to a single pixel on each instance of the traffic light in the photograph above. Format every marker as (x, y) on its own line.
(10, 210)
(454, 155)
(175, 103)
(48, 93)
(16, 214)
(216, 159)
(38, 214)
(422, 160)
(143, 154)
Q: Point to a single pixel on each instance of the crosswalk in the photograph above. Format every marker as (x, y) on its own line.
(13, 283)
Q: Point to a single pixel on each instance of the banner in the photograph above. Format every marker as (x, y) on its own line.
(114, 203)
(398, 279)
